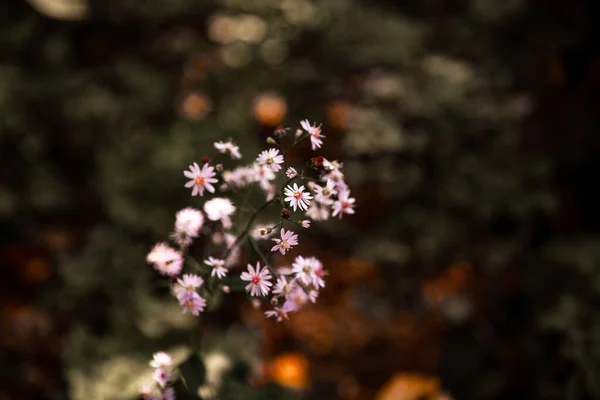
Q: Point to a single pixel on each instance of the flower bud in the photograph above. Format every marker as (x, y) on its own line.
(226, 289)
(299, 133)
(270, 140)
(285, 214)
(279, 131)
(205, 160)
(274, 301)
(219, 167)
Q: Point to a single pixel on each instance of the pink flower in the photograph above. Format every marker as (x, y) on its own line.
(315, 134)
(323, 193)
(296, 299)
(344, 204)
(297, 197)
(291, 172)
(161, 376)
(219, 209)
(188, 223)
(271, 159)
(318, 211)
(287, 241)
(228, 147)
(192, 303)
(259, 280)
(168, 394)
(218, 267)
(200, 179)
(166, 260)
(283, 287)
(277, 312)
(305, 223)
(187, 284)
(305, 268)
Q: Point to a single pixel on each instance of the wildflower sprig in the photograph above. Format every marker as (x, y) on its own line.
(317, 193)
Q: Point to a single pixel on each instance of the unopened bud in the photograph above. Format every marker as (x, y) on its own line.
(205, 160)
(317, 162)
(274, 301)
(279, 131)
(270, 140)
(299, 133)
(285, 214)
(255, 303)
(219, 167)
(226, 289)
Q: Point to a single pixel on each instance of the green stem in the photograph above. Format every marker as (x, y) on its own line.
(243, 234)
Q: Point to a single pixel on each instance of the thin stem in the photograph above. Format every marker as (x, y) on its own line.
(262, 256)
(243, 234)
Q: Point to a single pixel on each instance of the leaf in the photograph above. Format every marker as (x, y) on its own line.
(193, 372)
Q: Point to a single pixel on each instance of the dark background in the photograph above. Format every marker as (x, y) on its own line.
(469, 133)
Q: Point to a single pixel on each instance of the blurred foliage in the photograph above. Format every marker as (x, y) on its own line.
(466, 128)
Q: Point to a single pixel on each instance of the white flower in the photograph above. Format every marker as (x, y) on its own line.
(188, 223)
(305, 223)
(219, 209)
(296, 299)
(297, 197)
(344, 204)
(323, 193)
(166, 260)
(315, 134)
(200, 179)
(279, 313)
(218, 267)
(287, 241)
(318, 211)
(187, 284)
(271, 159)
(262, 173)
(229, 147)
(161, 360)
(259, 280)
(291, 172)
(283, 287)
(304, 268)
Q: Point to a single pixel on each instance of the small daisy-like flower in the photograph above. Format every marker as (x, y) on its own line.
(304, 268)
(313, 295)
(324, 193)
(279, 313)
(228, 147)
(192, 303)
(262, 173)
(188, 223)
(166, 260)
(305, 223)
(297, 197)
(296, 299)
(344, 204)
(200, 179)
(161, 360)
(318, 211)
(259, 280)
(161, 376)
(187, 284)
(316, 138)
(291, 172)
(283, 287)
(287, 241)
(320, 273)
(219, 209)
(218, 267)
(168, 394)
(271, 159)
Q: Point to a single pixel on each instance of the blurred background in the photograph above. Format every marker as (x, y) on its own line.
(469, 135)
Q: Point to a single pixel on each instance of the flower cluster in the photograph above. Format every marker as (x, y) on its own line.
(316, 193)
(161, 363)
